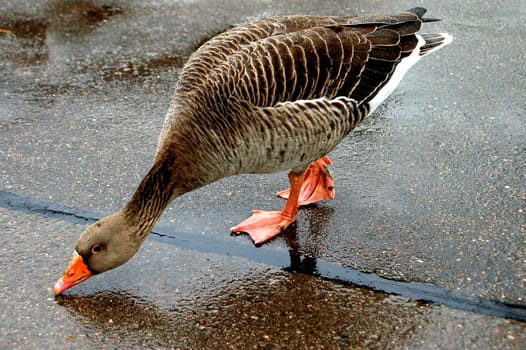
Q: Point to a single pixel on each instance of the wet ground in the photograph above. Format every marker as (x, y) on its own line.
(423, 247)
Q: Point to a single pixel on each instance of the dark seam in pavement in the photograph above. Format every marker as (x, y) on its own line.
(289, 261)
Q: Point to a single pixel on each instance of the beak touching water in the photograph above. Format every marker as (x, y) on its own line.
(76, 273)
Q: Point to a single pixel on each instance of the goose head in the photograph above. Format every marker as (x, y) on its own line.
(104, 245)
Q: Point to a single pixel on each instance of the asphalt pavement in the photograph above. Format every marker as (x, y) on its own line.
(423, 246)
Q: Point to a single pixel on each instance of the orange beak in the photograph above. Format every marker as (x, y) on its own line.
(76, 273)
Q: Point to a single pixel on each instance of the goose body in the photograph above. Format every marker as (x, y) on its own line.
(276, 94)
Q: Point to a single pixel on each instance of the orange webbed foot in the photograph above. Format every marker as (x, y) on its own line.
(263, 225)
(317, 184)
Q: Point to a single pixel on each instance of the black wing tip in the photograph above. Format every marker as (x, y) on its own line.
(420, 12)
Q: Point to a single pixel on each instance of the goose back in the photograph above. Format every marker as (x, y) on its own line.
(289, 58)
(284, 91)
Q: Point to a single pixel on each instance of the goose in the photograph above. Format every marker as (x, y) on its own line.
(276, 94)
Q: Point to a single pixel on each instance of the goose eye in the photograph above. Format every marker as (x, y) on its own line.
(97, 248)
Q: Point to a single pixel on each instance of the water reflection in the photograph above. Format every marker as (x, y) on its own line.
(305, 248)
(293, 309)
(79, 17)
(61, 42)
(271, 309)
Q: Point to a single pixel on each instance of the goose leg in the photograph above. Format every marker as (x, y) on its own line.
(264, 225)
(317, 184)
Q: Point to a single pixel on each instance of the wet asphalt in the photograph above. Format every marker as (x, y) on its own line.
(423, 247)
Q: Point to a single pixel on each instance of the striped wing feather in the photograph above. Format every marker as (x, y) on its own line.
(305, 57)
(302, 65)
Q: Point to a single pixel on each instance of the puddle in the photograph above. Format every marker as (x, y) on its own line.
(140, 69)
(275, 307)
(61, 51)
(75, 14)
(30, 29)
(292, 260)
(23, 41)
